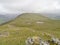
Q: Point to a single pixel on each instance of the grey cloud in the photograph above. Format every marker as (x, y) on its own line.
(19, 6)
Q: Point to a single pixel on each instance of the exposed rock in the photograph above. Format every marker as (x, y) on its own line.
(39, 22)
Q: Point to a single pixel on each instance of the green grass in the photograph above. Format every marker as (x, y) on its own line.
(25, 26)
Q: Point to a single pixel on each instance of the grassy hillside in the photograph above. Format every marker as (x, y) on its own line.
(26, 25)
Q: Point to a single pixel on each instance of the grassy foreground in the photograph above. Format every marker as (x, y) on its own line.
(27, 25)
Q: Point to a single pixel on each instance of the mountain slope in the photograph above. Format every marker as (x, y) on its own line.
(26, 18)
(27, 25)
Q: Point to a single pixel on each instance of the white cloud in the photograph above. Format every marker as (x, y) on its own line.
(18, 6)
(45, 6)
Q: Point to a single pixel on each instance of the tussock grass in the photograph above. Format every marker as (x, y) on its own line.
(19, 29)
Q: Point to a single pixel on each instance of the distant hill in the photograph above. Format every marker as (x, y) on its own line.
(52, 16)
(57, 17)
(6, 18)
(3, 18)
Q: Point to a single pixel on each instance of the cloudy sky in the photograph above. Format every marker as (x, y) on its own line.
(19, 6)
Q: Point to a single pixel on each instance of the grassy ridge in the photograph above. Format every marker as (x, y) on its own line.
(26, 25)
